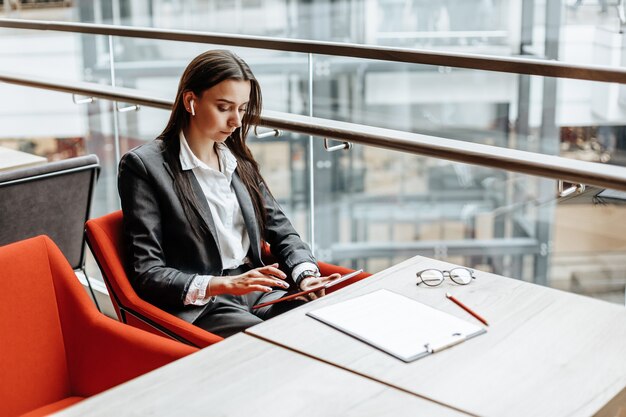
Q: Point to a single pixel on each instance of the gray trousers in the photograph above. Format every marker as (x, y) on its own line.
(230, 314)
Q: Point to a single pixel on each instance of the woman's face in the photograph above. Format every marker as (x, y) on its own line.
(219, 110)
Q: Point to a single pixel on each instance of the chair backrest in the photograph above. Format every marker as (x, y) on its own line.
(106, 241)
(33, 360)
(53, 199)
(104, 237)
(55, 347)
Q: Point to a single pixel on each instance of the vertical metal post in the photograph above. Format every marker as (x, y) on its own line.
(115, 10)
(326, 202)
(523, 90)
(522, 129)
(548, 144)
(311, 163)
(116, 132)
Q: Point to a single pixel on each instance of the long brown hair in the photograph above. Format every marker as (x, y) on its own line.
(205, 71)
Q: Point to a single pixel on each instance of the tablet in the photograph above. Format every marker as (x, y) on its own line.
(319, 287)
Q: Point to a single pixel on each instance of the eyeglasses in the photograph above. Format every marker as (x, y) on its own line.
(434, 277)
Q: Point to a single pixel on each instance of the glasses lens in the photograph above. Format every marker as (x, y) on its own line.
(461, 276)
(431, 277)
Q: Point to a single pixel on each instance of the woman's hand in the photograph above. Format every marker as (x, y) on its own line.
(258, 279)
(312, 282)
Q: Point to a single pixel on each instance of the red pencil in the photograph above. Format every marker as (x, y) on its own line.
(466, 308)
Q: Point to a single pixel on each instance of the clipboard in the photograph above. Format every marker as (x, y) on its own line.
(310, 290)
(397, 325)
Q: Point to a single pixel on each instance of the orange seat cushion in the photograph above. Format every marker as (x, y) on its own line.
(33, 359)
(56, 348)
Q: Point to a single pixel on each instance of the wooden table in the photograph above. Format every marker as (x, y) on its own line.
(11, 159)
(244, 376)
(546, 352)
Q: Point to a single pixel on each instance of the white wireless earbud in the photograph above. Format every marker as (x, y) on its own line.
(193, 110)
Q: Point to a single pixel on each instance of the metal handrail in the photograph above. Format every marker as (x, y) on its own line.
(550, 166)
(513, 65)
(107, 92)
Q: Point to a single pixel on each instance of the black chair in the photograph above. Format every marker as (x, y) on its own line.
(52, 199)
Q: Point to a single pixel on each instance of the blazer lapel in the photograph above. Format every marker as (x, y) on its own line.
(249, 217)
(205, 212)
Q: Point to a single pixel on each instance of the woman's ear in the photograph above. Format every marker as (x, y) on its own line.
(189, 102)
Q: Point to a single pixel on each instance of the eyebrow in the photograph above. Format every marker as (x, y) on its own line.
(231, 102)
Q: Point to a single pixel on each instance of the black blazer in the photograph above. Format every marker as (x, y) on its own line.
(163, 255)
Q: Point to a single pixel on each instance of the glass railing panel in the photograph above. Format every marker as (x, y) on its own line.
(441, 101)
(40, 122)
(375, 208)
(59, 55)
(284, 166)
(589, 244)
(99, 127)
(100, 133)
(155, 67)
(382, 22)
(49, 124)
(441, 25)
(138, 126)
(152, 66)
(497, 27)
(539, 114)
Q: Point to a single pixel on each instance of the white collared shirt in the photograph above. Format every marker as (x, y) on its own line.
(230, 226)
(225, 210)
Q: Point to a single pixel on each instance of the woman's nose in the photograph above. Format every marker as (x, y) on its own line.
(235, 120)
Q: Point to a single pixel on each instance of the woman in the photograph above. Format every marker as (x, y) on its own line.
(196, 208)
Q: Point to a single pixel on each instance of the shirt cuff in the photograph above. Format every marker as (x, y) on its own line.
(300, 268)
(197, 294)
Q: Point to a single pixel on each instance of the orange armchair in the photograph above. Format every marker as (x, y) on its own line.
(105, 239)
(57, 349)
